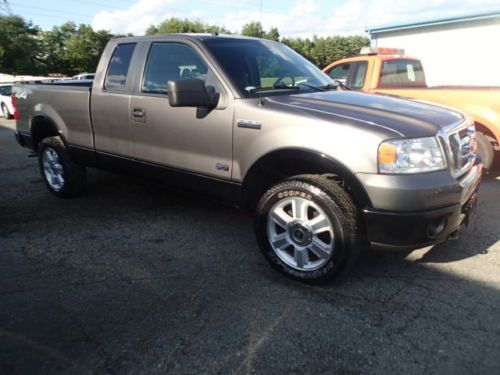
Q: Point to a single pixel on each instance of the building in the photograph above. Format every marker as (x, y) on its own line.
(457, 51)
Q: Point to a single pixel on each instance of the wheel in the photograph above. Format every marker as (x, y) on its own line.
(61, 174)
(485, 148)
(5, 111)
(308, 228)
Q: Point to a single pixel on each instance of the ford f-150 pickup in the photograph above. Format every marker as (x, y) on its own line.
(253, 123)
(388, 71)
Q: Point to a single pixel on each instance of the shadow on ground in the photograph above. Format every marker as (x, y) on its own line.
(134, 278)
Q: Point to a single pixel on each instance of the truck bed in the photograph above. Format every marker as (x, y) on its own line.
(67, 104)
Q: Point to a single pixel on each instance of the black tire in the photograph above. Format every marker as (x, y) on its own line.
(5, 112)
(339, 208)
(74, 175)
(485, 148)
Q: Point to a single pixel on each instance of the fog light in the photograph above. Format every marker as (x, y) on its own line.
(436, 227)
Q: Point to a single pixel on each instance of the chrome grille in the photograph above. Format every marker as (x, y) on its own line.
(461, 144)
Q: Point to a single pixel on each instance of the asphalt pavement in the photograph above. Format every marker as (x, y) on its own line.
(135, 278)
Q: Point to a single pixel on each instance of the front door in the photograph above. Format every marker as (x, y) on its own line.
(190, 139)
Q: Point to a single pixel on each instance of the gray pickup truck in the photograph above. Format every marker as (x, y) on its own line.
(253, 123)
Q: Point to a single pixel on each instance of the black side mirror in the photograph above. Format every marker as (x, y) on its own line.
(191, 93)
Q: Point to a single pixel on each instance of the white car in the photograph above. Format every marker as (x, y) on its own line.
(83, 76)
(6, 108)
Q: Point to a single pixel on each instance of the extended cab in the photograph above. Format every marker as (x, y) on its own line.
(388, 71)
(253, 123)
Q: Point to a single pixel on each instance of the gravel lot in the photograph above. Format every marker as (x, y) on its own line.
(134, 278)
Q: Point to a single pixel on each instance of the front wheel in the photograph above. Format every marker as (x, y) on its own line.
(61, 174)
(308, 228)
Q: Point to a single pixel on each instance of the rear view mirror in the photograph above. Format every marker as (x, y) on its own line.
(191, 93)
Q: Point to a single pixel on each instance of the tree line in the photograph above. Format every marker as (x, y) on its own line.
(71, 49)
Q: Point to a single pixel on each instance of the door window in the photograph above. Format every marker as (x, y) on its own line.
(5, 90)
(173, 61)
(340, 73)
(357, 75)
(116, 76)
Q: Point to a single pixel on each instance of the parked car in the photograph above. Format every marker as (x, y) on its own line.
(326, 172)
(389, 71)
(7, 110)
(83, 76)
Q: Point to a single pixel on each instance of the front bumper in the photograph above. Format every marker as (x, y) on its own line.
(412, 228)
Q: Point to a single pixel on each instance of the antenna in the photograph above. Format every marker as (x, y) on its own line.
(261, 13)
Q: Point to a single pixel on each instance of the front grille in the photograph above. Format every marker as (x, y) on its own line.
(461, 144)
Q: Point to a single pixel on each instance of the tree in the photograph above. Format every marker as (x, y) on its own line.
(84, 48)
(323, 50)
(19, 46)
(253, 28)
(176, 25)
(273, 34)
(72, 49)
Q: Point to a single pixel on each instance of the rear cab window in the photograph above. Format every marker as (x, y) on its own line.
(118, 69)
(402, 73)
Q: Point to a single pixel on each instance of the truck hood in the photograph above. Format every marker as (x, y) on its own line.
(400, 117)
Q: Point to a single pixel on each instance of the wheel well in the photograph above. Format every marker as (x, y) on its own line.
(41, 128)
(282, 164)
(483, 129)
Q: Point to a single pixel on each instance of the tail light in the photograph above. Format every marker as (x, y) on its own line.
(14, 105)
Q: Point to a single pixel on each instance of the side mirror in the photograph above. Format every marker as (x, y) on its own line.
(191, 93)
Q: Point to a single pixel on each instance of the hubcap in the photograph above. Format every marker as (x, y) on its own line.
(52, 169)
(300, 233)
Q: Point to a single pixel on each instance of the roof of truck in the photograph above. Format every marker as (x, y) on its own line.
(197, 36)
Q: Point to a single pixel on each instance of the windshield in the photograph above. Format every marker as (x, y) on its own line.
(262, 67)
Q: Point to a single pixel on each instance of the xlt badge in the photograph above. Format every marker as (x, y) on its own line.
(222, 167)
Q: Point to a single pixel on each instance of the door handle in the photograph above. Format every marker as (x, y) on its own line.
(138, 113)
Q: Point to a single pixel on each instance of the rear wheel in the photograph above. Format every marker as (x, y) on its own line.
(5, 111)
(61, 174)
(308, 228)
(485, 148)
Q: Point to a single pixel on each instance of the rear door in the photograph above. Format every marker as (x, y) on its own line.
(190, 139)
(110, 100)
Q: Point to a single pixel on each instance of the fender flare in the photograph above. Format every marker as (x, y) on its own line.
(313, 162)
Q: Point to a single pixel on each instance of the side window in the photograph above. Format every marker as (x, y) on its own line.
(340, 73)
(5, 90)
(357, 75)
(172, 61)
(116, 76)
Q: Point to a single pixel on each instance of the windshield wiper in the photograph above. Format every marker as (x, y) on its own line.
(317, 88)
(326, 87)
(269, 88)
(329, 87)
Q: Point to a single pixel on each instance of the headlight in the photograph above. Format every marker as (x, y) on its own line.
(410, 156)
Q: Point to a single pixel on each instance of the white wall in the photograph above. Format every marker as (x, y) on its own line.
(453, 54)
